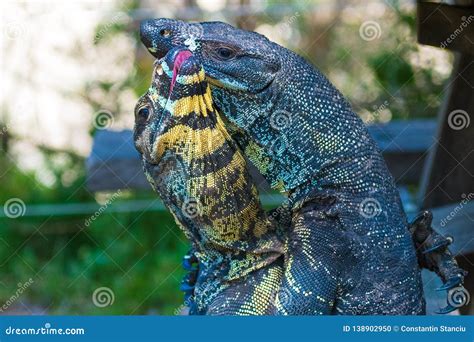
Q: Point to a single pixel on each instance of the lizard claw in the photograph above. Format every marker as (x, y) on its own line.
(190, 262)
(441, 244)
(457, 296)
(447, 309)
(451, 283)
(420, 224)
(185, 287)
(433, 254)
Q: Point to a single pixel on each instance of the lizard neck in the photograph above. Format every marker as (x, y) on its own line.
(202, 178)
(301, 130)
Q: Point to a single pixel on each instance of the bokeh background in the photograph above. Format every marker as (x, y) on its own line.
(63, 62)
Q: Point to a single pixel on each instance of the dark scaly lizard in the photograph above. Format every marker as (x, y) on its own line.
(349, 249)
(201, 175)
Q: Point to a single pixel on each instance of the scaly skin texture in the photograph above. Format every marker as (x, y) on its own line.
(201, 175)
(350, 250)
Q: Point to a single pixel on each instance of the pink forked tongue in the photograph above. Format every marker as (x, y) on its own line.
(178, 61)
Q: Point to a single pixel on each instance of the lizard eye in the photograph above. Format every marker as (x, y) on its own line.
(143, 113)
(225, 53)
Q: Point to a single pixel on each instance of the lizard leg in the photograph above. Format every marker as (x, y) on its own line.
(434, 255)
(313, 262)
(251, 295)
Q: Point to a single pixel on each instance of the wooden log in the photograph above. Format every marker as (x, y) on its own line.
(114, 163)
(447, 26)
(404, 145)
(457, 220)
(449, 171)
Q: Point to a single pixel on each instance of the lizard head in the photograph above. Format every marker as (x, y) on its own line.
(176, 77)
(233, 59)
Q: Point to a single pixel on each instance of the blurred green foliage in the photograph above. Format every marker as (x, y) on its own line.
(138, 255)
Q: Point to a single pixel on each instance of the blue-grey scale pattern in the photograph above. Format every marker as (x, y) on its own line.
(350, 249)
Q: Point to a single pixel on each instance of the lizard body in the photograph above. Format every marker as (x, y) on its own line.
(350, 250)
(201, 175)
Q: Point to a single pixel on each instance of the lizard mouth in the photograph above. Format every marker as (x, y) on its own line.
(180, 57)
(218, 80)
(174, 76)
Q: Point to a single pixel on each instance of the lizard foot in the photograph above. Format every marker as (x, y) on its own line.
(190, 263)
(433, 254)
(457, 297)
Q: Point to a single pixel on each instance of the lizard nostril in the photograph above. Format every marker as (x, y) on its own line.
(165, 33)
